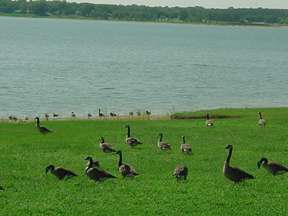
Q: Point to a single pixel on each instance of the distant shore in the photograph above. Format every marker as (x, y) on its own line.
(211, 23)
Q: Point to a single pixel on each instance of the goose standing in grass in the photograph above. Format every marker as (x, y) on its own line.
(126, 170)
(209, 122)
(185, 147)
(272, 167)
(130, 140)
(233, 173)
(106, 147)
(163, 145)
(94, 172)
(41, 129)
(60, 172)
(261, 121)
(180, 172)
(46, 116)
(73, 115)
(91, 162)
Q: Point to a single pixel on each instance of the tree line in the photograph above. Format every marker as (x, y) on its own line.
(144, 13)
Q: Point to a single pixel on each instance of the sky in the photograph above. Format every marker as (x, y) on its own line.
(204, 3)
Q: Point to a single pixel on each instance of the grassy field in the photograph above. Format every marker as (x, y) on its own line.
(28, 191)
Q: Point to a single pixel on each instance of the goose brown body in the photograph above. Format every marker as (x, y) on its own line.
(41, 129)
(163, 145)
(272, 167)
(180, 172)
(126, 170)
(95, 173)
(106, 147)
(185, 147)
(130, 140)
(60, 172)
(233, 173)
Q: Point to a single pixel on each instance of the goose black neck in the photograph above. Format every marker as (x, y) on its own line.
(183, 138)
(120, 159)
(207, 116)
(229, 155)
(37, 122)
(260, 115)
(128, 131)
(160, 137)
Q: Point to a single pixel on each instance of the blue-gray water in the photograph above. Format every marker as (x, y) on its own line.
(51, 65)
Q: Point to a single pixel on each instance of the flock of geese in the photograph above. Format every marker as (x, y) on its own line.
(94, 171)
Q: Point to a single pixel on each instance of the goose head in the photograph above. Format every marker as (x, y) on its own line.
(262, 161)
(229, 146)
(88, 158)
(101, 140)
(119, 152)
(49, 168)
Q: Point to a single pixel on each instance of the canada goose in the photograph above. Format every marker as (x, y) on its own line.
(47, 116)
(272, 167)
(125, 169)
(91, 162)
(106, 147)
(60, 172)
(163, 145)
(55, 115)
(130, 140)
(112, 114)
(94, 172)
(73, 115)
(233, 173)
(89, 115)
(147, 112)
(12, 118)
(100, 114)
(180, 172)
(185, 148)
(261, 121)
(41, 129)
(209, 122)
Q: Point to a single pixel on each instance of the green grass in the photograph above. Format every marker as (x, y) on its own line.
(25, 153)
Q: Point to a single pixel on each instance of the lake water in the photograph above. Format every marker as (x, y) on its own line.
(53, 65)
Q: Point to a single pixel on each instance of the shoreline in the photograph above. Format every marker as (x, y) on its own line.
(275, 25)
(217, 113)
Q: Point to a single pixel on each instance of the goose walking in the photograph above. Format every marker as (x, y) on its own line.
(180, 172)
(185, 147)
(163, 145)
(233, 173)
(126, 170)
(209, 122)
(106, 147)
(130, 140)
(272, 167)
(261, 121)
(95, 173)
(60, 172)
(41, 129)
